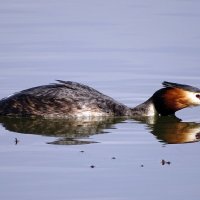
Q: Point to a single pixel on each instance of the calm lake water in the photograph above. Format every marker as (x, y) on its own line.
(125, 49)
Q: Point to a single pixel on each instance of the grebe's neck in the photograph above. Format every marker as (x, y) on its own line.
(145, 109)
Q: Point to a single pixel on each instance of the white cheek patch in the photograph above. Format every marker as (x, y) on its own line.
(195, 101)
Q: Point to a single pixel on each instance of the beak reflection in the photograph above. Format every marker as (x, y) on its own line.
(171, 130)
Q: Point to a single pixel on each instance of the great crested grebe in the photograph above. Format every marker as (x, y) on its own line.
(67, 99)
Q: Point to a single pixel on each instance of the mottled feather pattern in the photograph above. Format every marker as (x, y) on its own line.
(65, 99)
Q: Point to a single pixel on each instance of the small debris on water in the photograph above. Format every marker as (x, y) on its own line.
(82, 151)
(16, 141)
(141, 165)
(164, 162)
(92, 166)
(113, 158)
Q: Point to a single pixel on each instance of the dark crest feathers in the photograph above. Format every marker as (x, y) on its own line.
(181, 86)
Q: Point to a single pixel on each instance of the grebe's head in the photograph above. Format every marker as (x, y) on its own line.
(174, 97)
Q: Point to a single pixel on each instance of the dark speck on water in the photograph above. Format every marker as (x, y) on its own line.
(164, 162)
(16, 141)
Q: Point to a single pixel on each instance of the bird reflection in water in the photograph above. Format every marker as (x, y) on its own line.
(68, 132)
(168, 130)
(172, 130)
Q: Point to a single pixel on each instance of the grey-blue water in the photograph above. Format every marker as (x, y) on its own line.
(125, 49)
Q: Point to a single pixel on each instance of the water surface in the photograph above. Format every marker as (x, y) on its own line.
(125, 49)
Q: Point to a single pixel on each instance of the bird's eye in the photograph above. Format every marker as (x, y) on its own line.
(198, 96)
